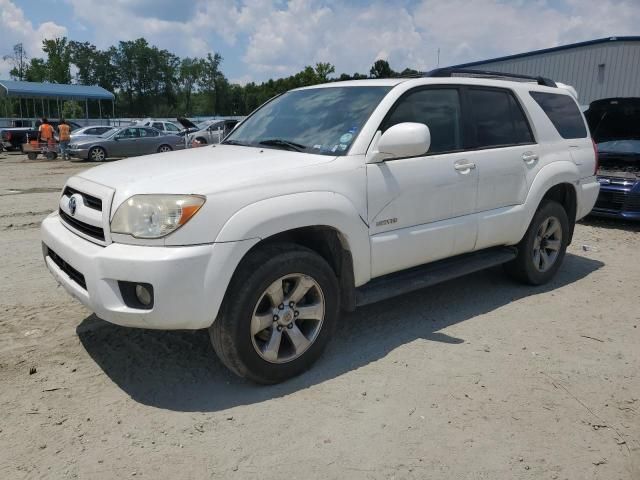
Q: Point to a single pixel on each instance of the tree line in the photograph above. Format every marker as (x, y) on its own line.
(149, 81)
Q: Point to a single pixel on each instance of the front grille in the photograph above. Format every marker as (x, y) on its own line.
(618, 201)
(91, 230)
(74, 274)
(89, 200)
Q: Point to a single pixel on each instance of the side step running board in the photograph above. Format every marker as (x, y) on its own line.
(423, 276)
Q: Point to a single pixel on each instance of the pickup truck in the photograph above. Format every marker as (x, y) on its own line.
(324, 199)
(13, 138)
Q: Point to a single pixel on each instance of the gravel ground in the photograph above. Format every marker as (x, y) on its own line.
(477, 378)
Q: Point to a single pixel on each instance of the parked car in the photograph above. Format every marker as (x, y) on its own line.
(161, 125)
(207, 132)
(124, 142)
(615, 127)
(13, 138)
(93, 131)
(324, 199)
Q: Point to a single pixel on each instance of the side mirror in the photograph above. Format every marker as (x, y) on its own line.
(402, 140)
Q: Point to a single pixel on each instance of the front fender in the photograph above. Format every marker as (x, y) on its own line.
(269, 217)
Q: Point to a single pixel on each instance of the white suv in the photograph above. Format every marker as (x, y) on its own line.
(324, 199)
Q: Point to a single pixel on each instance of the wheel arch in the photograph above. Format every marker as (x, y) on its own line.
(325, 222)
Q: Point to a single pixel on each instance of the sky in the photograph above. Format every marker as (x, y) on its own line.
(261, 39)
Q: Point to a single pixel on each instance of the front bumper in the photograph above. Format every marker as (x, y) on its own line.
(189, 282)
(78, 152)
(621, 200)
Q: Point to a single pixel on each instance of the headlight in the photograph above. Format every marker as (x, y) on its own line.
(155, 216)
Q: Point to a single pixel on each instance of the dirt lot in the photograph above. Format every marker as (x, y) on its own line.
(478, 378)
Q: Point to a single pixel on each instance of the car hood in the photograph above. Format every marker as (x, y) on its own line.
(203, 171)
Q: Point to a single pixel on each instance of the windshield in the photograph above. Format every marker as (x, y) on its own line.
(206, 123)
(317, 120)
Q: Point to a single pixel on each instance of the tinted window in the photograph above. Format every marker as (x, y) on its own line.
(171, 127)
(129, 133)
(438, 109)
(92, 131)
(157, 125)
(563, 113)
(148, 132)
(497, 118)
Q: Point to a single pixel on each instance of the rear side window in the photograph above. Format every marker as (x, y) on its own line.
(438, 109)
(157, 125)
(498, 119)
(563, 113)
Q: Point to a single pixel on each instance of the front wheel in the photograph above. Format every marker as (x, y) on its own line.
(164, 148)
(279, 313)
(543, 247)
(97, 154)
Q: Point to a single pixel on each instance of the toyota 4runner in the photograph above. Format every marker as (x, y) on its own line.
(327, 198)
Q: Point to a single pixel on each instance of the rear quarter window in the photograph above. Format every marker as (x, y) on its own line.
(563, 113)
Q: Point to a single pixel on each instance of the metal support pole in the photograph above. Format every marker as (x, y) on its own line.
(20, 101)
(42, 105)
(100, 109)
(58, 104)
(86, 110)
(113, 111)
(34, 109)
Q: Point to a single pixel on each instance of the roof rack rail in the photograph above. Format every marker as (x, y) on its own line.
(450, 71)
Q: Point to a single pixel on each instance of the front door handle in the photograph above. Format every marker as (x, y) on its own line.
(529, 157)
(464, 166)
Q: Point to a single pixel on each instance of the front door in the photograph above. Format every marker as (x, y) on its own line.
(125, 143)
(419, 208)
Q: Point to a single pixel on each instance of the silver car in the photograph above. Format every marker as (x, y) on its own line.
(124, 142)
(93, 131)
(207, 132)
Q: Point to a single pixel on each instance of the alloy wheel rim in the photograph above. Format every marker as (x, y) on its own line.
(98, 155)
(164, 149)
(546, 244)
(287, 319)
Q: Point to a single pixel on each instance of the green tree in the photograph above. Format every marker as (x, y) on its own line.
(323, 70)
(36, 71)
(71, 109)
(19, 61)
(381, 69)
(58, 63)
(189, 77)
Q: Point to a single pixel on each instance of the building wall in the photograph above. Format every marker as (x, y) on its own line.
(602, 70)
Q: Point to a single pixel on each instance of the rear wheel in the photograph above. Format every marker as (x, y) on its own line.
(164, 148)
(279, 313)
(32, 155)
(541, 251)
(97, 154)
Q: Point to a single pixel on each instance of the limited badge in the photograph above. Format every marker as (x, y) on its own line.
(346, 138)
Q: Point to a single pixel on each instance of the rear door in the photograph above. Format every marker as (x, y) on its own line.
(504, 150)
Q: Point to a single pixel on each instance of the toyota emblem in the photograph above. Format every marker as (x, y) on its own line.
(72, 205)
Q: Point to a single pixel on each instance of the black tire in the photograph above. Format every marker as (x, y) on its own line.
(97, 152)
(32, 155)
(523, 268)
(164, 148)
(231, 331)
(202, 140)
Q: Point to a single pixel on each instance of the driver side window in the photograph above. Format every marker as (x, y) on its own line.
(439, 109)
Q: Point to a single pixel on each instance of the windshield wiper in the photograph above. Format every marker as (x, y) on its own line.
(279, 142)
(234, 142)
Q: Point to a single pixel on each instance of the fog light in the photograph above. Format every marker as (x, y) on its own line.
(137, 295)
(143, 295)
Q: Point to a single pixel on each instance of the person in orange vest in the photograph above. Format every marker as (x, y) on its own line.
(45, 132)
(64, 135)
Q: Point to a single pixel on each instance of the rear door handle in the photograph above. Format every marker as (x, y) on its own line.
(529, 157)
(464, 166)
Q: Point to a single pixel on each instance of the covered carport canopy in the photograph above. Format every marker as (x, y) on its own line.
(57, 92)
